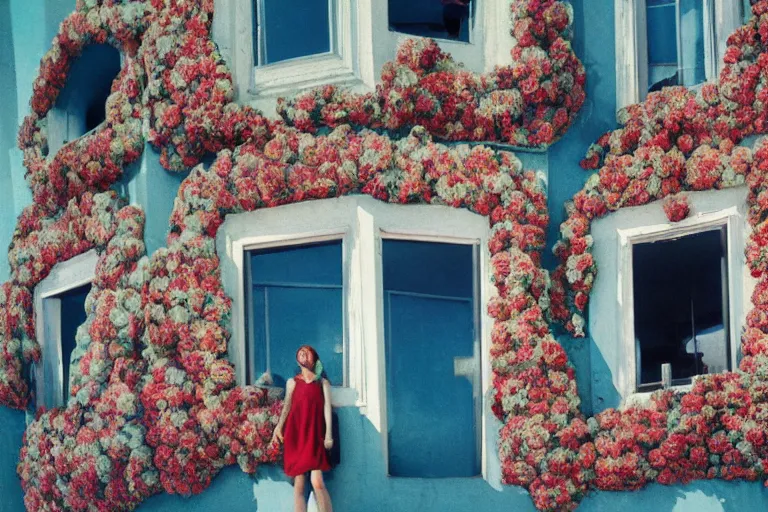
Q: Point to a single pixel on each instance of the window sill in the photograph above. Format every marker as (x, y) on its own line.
(440, 40)
(643, 398)
(298, 74)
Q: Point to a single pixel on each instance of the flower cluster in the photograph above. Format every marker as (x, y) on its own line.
(189, 92)
(38, 244)
(676, 207)
(531, 102)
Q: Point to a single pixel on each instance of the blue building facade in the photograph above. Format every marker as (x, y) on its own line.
(365, 479)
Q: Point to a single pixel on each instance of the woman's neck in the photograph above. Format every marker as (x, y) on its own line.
(307, 375)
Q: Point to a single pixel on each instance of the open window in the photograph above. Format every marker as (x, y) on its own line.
(681, 308)
(59, 312)
(681, 293)
(81, 105)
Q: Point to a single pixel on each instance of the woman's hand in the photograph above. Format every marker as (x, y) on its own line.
(328, 443)
(278, 435)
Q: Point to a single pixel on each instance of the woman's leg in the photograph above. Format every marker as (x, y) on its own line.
(321, 492)
(299, 499)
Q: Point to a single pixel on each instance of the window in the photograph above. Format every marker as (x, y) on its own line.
(275, 48)
(669, 24)
(59, 312)
(390, 295)
(81, 106)
(661, 43)
(288, 284)
(291, 29)
(681, 312)
(472, 31)
(678, 296)
(443, 19)
(430, 317)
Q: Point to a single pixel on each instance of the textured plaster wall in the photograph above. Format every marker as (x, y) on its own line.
(594, 44)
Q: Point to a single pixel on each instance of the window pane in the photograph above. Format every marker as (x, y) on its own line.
(678, 292)
(446, 19)
(291, 29)
(290, 283)
(433, 268)
(73, 315)
(432, 428)
(665, 66)
(692, 26)
(662, 44)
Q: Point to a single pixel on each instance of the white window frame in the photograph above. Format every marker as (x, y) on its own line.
(49, 373)
(631, 40)
(361, 222)
(395, 229)
(233, 33)
(732, 220)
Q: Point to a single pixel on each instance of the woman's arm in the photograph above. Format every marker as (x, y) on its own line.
(328, 416)
(289, 387)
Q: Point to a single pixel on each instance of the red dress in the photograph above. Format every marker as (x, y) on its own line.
(304, 436)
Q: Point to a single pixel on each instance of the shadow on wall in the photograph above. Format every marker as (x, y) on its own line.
(603, 390)
(8, 127)
(12, 427)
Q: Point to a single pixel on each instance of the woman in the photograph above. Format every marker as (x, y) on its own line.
(307, 419)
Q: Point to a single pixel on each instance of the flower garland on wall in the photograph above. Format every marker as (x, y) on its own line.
(154, 406)
(529, 103)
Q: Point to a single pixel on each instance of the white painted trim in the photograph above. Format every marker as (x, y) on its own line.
(728, 17)
(729, 218)
(233, 32)
(436, 224)
(67, 275)
(631, 72)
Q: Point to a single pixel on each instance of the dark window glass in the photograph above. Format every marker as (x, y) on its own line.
(73, 315)
(681, 308)
(668, 23)
(440, 19)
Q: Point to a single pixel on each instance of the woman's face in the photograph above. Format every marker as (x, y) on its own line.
(306, 359)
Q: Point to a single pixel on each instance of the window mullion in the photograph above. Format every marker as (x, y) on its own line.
(371, 345)
(681, 71)
(261, 32)
(52, 312)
